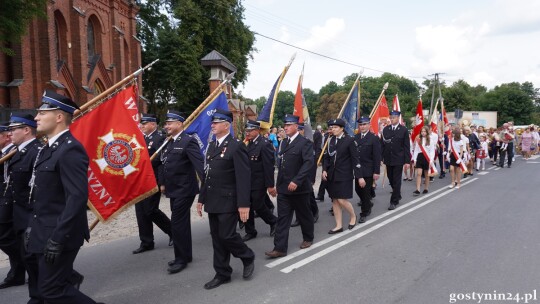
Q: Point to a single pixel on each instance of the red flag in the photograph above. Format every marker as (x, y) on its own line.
(120, 173)
(446, 127)
(299, 100)
(418, 121)
(396, 107)
(434, 121)
(381, 114)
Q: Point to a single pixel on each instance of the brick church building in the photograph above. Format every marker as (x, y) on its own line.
(82, 48)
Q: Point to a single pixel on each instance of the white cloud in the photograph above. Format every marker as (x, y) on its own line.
(322, 36)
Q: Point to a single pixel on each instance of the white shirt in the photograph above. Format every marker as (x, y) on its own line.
(54, 138)
(458, 145)
(429, 149)
(220, 140)
(293, 137)
(7, 148)
(176, 136)
(24, 144)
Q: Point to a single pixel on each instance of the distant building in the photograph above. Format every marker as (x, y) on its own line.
(81, 49)
(220, 67)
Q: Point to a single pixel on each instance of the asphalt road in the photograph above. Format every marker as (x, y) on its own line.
(435, 248)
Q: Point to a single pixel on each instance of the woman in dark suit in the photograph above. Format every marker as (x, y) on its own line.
(340, 160)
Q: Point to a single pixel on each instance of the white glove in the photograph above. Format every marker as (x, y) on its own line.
(458, 161)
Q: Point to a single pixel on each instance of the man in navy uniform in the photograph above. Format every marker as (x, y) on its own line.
(147, 210)
(396, 153)
(293, 187)
(22, 128)
(225, 195)
(261, 160)
(8, 241)
(369, 154)
(59, 194)
(182, 164)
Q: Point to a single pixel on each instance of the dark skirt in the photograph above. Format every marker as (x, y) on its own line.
(453, 160)
(340, 189)
(421, 162)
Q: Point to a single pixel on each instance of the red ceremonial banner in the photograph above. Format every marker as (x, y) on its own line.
(418, 120)
(381, 113)
(120, 173)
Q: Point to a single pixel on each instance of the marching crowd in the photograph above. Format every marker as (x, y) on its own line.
(43, 209)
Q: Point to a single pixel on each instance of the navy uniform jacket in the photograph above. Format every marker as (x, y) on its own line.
(6, 206)
(60, 196)
(296, 160)
(261, 161)
(153, 142)
(227, 186)
(182, 161)
(342, 160)
(396, 148)
(18, 192)
(369, 153)
(317, 143)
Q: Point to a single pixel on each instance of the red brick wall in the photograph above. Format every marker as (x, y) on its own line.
(36, 57)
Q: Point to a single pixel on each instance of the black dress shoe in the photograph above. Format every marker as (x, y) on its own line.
(143, 249)
(295, 223)
(216, 283)
(273, 230)
(11, 284)
(392, 207)
(351, 226)
(249, 267)
(362, 219)
(248, 237)
(175, 268)
(335, 231)
(320, 199)
(241, 225)
(76, 279)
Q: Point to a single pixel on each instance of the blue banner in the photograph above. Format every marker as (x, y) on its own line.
(350, 114)
(201, 125)
(267, 108)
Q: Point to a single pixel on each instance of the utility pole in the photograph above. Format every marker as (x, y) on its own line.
(437, 83)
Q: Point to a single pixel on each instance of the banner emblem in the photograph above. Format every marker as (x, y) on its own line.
(118, 153)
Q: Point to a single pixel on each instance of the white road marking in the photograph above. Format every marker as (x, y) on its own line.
(483, 173)
(365, 232)
(346, 232)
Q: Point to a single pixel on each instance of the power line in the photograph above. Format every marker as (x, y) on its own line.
(325, 56)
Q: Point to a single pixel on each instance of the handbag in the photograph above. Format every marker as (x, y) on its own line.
(480, 154)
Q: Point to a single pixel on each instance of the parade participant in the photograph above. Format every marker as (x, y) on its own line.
(59, 193)
(455, 157)
(182, 164)
(526, 142)
(225, 194)
(147, 210)
(481, 153)
(8, 241)
(396, 153)
(312, 176)
(369, 157)
(424, 154)
(261, 160)
(507, 145)
(340, 157)
(293, 187)
(22, 129)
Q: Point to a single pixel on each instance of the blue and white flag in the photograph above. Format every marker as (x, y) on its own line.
(350, 112)
(201, 125)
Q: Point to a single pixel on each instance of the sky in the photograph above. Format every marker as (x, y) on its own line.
(482, 42)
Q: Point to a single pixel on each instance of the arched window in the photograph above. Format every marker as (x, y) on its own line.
(98, 87)
(93, 37)
(60, 30)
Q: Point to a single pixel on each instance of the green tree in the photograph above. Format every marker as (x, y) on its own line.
(331, 105)
(15, 16)
(284, 105)
(313, 103)
(511, 102)
(180, 33)
(329, 89)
